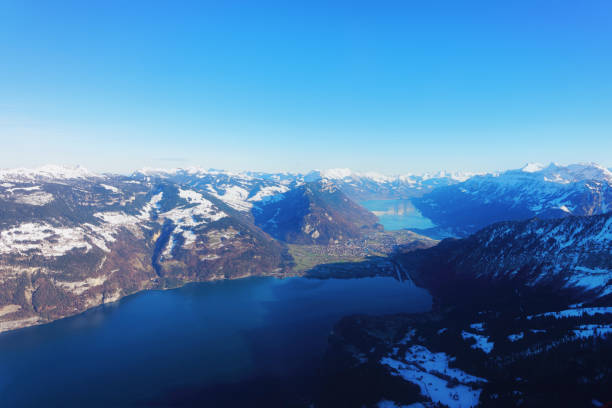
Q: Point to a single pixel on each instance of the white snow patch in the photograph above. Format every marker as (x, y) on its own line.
(145, 213)
(43, 238)
(589, 278)
(532, 167)
(187, 217)
(199, 214)
(589, 311)
(31, 188)
(592, 330)
(516, 337)
(37, 198)
(47, 172)
(190, 237)
(234, 196)
(117, 218)
(428, 371)
(477, 326)
(269, 194)
(336, 174)
(110, 188)
(482, 342)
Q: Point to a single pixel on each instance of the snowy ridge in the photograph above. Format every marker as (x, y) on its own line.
(344, 173)
(242, 191)
(198, 212)
(356, 185)
(47, 172)
(544, 191)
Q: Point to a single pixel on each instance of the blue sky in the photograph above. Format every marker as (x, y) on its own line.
(380, 86)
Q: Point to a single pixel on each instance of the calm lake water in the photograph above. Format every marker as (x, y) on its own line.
(248, 342)
(397, 214)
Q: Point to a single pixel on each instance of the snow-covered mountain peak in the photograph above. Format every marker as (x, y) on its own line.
(51, 171)
(154, 171)
(553, 173)
(443, 174)
(335, 174)
(534, 190)
(344, 173)
(195, 171)
(576, 172)
(532, 167)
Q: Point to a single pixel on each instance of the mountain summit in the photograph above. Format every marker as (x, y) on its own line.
(543, 191)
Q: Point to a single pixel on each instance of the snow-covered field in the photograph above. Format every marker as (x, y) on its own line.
(429, 371)
(42, 238)
(482, 342)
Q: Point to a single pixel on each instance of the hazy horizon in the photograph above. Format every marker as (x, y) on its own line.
(272, 86)
(328, 172)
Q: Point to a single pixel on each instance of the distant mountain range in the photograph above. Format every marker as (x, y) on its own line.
(528, 290)
(358, 186)
(458, 203)
(374, 186)
(71, 239)
(533, 191)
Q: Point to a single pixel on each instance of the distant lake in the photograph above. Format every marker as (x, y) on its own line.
(397, 214)
(248, 342)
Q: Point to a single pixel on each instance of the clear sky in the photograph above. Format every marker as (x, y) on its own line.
(393, 87)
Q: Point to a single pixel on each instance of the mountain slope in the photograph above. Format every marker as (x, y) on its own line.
(315, 213)
(546, 192)
(374, 186)
(241, 191)
(568, 258)
(522, 317)
(248, 187)
(70, 241)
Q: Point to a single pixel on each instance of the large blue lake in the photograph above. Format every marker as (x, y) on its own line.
(248, 342)
(397, 214)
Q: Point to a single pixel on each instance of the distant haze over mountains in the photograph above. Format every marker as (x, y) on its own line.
(358, 185)
(543, 191)
(580, 170)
